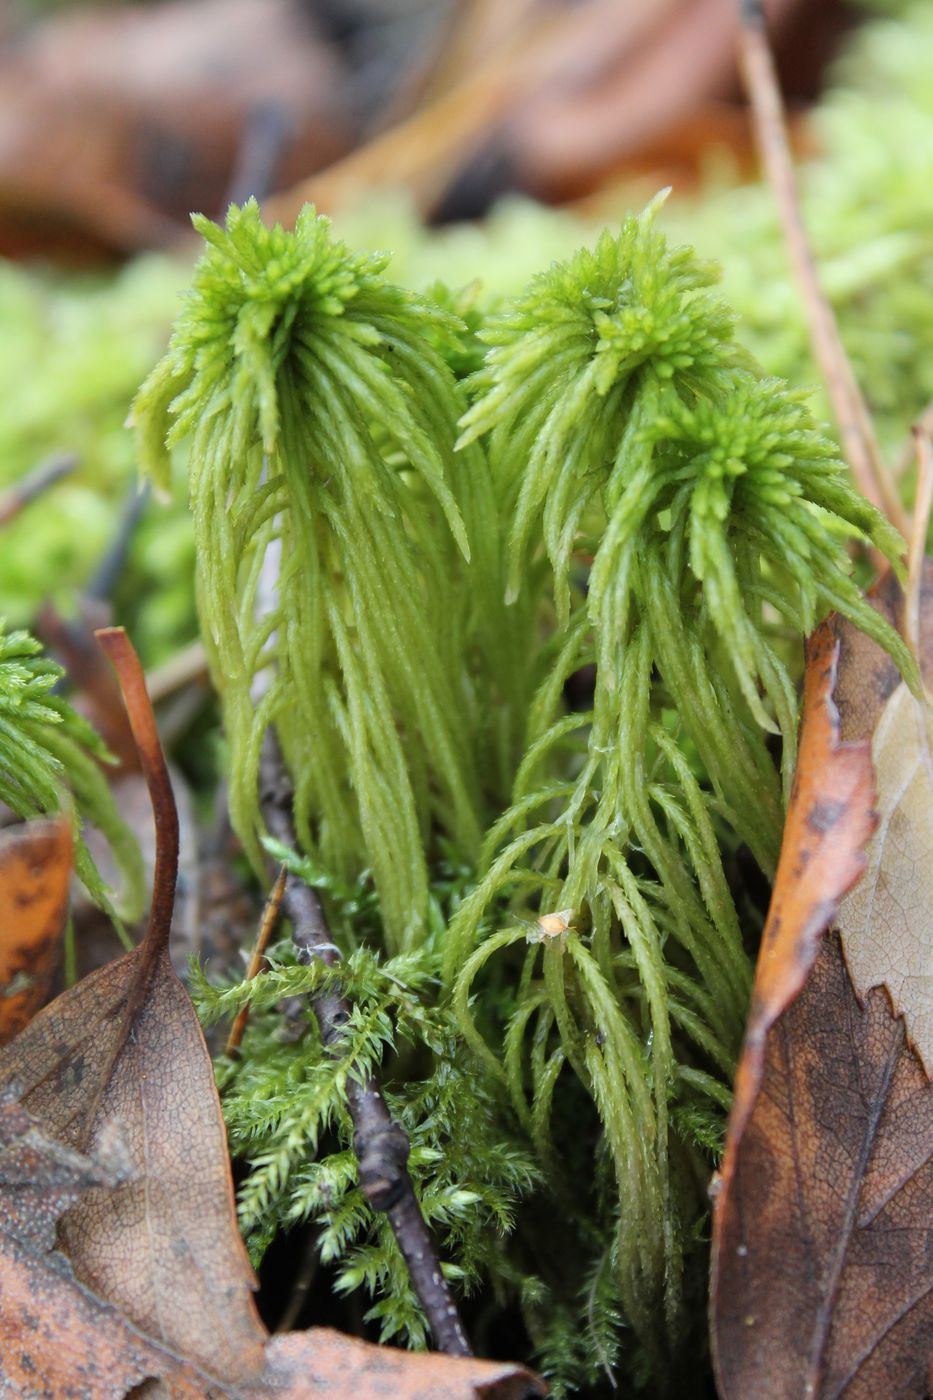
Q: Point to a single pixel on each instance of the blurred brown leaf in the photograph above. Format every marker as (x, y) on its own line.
(629, 92)
(822, 1265)
(116, 121)
(568, 95)
(35, 869)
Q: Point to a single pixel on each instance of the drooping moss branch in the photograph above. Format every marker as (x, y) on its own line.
(625, 425)
(320, 410)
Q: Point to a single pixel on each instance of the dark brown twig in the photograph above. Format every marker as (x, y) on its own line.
(270, 917)
(108, 572)
(849, 408)
(381, 1144)
(33, 484)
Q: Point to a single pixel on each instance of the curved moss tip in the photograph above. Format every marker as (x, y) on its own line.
(318, 404)
(254, 288)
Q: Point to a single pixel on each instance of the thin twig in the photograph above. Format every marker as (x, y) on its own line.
(268, 128)
(307, 1271)
(270, 917)
(33, 484)
(907, 453)
(186, 667)
(851, 413)
(918, 538)
(381, 1145)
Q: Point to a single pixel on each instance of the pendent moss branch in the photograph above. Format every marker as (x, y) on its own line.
(321, 411)
(625, 425)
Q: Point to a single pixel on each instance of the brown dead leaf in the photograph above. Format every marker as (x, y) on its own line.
(823, 1274)
(58, 1339)
(123, 1051)
(35, 867)
(829, 821)
(822, 1237)
(116, 121)
(39, 1178)
(319, 1362)
(886, 923)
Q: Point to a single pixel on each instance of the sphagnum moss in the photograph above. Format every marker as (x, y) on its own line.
(628, 492)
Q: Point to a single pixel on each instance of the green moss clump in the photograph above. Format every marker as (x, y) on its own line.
(321, 412)
(47, 750)
(616, 486)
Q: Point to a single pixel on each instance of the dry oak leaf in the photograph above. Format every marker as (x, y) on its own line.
(58, 1339)
(122, 1052)
(886, 923)
(829, 821)
(823, 1276)
(39, 1178)
(823, 1233)
(35, 866)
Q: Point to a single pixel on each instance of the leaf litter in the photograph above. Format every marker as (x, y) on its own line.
(112, 1146)
(822, 1262)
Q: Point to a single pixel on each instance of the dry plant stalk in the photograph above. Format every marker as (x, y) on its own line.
(270, 917)
(852, 416)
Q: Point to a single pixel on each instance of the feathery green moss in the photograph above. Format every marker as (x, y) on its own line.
(48, 751)
(626, 427)
(402, 569)
(321, 412)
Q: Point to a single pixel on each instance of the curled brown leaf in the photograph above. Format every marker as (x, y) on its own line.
(822, 1261)
(122, 1053)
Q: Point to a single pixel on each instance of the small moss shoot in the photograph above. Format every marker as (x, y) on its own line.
(50, 757)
